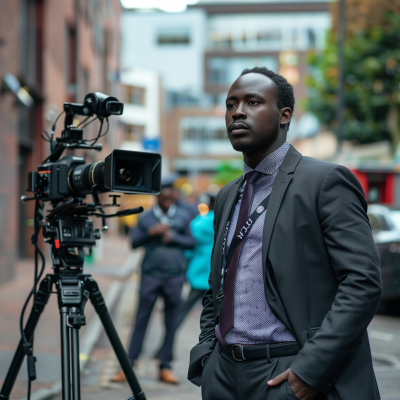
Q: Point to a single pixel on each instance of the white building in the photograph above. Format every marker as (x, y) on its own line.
(170, 43)
(142, 112)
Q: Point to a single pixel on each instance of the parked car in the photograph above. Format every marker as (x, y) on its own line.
(385, 225)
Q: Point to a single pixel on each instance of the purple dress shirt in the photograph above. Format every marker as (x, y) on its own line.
(254, 322)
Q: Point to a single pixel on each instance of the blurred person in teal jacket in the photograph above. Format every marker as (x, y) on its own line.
(199, 267)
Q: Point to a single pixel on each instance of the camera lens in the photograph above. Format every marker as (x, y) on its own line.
(124, 175)
(114, 108)
(128, 173)
(87, 176)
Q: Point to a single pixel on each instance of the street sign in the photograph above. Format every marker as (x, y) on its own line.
(151, 144)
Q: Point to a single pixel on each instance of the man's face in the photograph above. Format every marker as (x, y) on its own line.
(252, 115)
(166, 198)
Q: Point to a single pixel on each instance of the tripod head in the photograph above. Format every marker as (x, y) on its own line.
(68, 229)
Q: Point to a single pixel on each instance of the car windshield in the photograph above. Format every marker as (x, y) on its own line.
(375, 222)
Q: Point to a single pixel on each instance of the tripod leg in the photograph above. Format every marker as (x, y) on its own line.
(98, 303)
(76, 380)
(42, 297)
(65, 366)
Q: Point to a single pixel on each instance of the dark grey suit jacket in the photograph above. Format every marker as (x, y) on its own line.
(322, 274)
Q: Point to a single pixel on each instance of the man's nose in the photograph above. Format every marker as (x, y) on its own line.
(239, 112)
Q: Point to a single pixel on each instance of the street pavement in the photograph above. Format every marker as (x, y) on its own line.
(384, 333)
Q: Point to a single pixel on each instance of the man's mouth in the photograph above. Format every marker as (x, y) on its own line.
(239, 128)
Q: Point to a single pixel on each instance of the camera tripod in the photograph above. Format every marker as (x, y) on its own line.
(73, 288)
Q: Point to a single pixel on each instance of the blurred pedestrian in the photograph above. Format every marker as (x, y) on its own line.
(165, 233)
(200, 262)
(179, 201)
(199, 267)
(295, 276)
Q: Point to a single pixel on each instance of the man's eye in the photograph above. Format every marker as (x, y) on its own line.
(254, 102)
(230, 106)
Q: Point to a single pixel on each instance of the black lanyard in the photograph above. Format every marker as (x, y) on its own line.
(237, 239)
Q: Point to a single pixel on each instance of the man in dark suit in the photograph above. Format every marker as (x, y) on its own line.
(295, 276)
(164, 231)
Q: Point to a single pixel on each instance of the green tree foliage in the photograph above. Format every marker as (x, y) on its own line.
(227, 171)
(372, 88)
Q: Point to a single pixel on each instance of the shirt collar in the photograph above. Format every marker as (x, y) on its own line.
(270, 163)
(162, 216)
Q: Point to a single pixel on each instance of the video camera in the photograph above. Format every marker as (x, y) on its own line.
(122, 171)
(65, 182)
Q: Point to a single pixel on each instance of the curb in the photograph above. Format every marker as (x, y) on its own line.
(94, 329)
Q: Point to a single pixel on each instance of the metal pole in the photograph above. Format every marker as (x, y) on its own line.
(76, 381)
(65, 365)
(340, 103)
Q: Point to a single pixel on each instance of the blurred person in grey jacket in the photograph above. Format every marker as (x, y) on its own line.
(165, 233)
(199, 266)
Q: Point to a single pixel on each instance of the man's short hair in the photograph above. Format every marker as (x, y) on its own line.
(284, 88)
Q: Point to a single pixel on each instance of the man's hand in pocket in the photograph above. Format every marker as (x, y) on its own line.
(301, 389)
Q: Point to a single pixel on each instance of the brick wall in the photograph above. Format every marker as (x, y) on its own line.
(97, 58)
(9, 20)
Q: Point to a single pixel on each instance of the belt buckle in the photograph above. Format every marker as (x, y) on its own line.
(233, 352)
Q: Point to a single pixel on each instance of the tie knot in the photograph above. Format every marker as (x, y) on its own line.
(252, 177)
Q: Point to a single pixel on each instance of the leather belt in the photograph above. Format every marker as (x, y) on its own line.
(252, 352)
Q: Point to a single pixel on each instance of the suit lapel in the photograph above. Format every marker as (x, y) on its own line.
(282, 181)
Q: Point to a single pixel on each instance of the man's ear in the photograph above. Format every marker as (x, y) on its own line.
(285, 115)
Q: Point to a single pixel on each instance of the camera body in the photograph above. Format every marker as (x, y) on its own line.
(130, 172)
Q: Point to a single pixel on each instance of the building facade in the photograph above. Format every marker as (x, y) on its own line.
(51, 52)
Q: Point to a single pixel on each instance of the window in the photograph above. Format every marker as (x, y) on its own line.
(375, 222)
(133, 132)
(312, 40)
(203, 135)
(222, 71)
(135, 95)
(203, 128)
(252, 32)
(71, 63)
(180, 99)
(269, 35)
(173, 36)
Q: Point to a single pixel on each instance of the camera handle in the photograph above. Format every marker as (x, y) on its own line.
(56, 154)
(73, 292)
